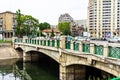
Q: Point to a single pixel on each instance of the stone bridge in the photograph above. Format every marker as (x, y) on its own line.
(104, 57)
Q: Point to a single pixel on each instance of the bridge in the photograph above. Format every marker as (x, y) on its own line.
(105, 57)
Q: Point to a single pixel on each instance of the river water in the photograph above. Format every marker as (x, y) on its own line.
(15, 69)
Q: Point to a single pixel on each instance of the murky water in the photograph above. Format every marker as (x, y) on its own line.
(17, 70)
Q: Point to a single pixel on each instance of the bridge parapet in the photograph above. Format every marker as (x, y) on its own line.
(105, 50)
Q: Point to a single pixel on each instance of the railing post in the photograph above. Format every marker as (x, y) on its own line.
(72, 45)
(62, 42)
(92, 49)
(24, 39)
(106, 51)
(80, 46)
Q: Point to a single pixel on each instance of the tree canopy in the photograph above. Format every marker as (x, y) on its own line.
(26, 24)
(64, 27)
(44, 25)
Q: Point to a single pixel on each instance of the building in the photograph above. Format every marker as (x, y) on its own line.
(48, 32)
(75, 28)
(81, 22)
(103, 18)
(7, 22)
(65, 18)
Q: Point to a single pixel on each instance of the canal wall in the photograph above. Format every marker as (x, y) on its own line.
(7, 51)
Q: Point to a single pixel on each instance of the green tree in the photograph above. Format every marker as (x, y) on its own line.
(19, 22)
(26, 24)
(31, 25)
(64, 27)
(44, 25)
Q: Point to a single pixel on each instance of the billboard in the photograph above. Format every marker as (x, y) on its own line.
(108, 34)
(86, 34)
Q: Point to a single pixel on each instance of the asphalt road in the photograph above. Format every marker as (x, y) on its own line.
(105, 43)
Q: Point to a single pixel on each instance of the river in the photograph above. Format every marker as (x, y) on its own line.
(15, 69)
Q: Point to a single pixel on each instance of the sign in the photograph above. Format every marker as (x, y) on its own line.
(108, 34)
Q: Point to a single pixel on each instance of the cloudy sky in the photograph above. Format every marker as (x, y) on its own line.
(47, 10)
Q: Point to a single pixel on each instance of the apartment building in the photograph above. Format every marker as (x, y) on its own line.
(7, 22)
(103, 18)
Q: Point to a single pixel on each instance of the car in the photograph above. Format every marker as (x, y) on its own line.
(78, 38)
(92, 38)
(114, 39)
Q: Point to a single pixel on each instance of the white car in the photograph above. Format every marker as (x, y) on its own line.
(115, 39)
(78, 38)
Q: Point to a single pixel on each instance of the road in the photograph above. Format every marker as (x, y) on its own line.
(105, 43)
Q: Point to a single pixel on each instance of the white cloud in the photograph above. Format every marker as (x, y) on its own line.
(47, 10)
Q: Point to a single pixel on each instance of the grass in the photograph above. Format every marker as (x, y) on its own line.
(5, 41)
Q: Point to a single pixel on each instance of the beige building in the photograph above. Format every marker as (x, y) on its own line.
(47, 32)
(103, 18)
(7, 22)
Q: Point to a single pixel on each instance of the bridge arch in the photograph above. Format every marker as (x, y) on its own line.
(19, 51)
(51, 54)
(85, 72)
(100, 67)
(43, 53)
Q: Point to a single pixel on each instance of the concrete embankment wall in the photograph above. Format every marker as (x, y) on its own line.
(7, 52)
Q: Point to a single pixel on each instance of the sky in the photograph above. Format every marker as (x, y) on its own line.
(47, 10)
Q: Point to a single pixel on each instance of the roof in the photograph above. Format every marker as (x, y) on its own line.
(7, 12)
(50, 30)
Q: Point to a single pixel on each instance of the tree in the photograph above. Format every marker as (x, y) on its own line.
(44, 25)
(64, 27)
(31, 25)
(19, 22)
(26, 24)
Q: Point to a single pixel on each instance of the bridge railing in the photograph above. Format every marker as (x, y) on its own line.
(42, 42)
(104, 50)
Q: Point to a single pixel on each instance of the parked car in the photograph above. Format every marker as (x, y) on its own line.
(115, 39)
(78, 38)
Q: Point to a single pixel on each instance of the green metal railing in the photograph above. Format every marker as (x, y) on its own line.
(114, 52)
(58, 43)
(19, 40)
(29, 40)
(32, 41)
(67, 44)
(44, 43)
(86, 48)
(98, 49)
(41, 42)
(48, 44)
(76, 46)
(53, 43)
